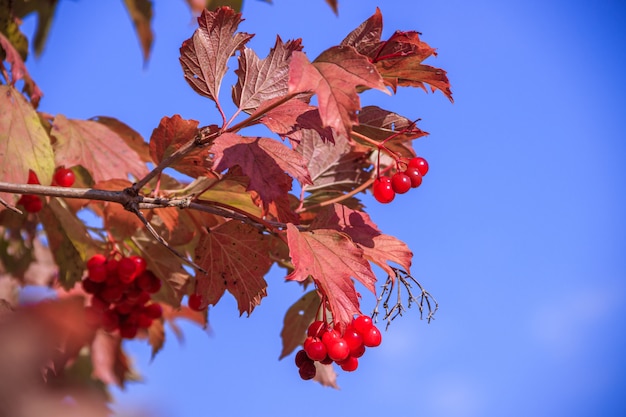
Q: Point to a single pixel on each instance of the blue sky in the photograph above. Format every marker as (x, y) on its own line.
(518, 229)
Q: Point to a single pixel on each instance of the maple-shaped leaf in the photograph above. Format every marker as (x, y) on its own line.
(297, 319)
(24, 143)
(380, 125)
(333, 167)
(377, 247)
(205, 55)
(334, 77)
(140, 12)
(260, 80)
(172, 133)
(263, 160)
(332, 259)
(236, 257)
(325, 375)
(110, 363)
(96, 147)
(68, 239)
(18, 70)
(398, 59)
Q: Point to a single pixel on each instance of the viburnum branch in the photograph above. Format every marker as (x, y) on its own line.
(338, 199)
(260, 113)
(164, 242)
(54, 191)
(425, 300)
(10, 207)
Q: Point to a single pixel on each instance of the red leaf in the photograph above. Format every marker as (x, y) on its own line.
(398, 59)
(295, 118)
(129, 135)
(377, 247)
(236, 257)
(332, 259)
(140, 12)
(204, 56)
(96, 147)
(297, 319)
(263, 160)
(19, 72)
(172, 133)
(24, 143)
(334, 76)
(261, 80)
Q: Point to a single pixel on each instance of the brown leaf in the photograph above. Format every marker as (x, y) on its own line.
(140, 12)
(18, 70)
(236, 257)
(326, 375)
(297, 319)
(96, 147)
(205, 55)
(333, 5)
(260, 80)
(263, 160)
(45, 10)
(24, 143)
(334, 76)
(377, 247)
(332, 260)
(156, 336)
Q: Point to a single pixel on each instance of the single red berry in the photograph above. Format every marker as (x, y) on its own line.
(97, 259)
(129, 330)
(307, 370)
(316, 350)
(196, 302)
(127, 270)
(362, 324)
(372, 337)
(97, 273)
(144, 321)
(353, 338)
(329, 335)
(316, 328)
(338, 349)
(415, 176)
(32, 177)
(148, 282)
(112, 267)
(420, 163)
(140, 263)
(92, 287)
(153, 310)
(112, 294)
(301, 357)
(326, 361)
(64, 177)
(358, 352)
(382, 190)
(400, 183)
(349, 364)
(31, 203)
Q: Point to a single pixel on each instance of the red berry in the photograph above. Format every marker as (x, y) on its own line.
(338, 349)
(96, 260)
(301, 357)
(31, 203)
(307, 370)
(127, 270)
(97, 273)
(196, 302)
(358, 352)
(145, 321)
(112, 294)
(316, 328)
(400, 183)
(112, 267)
(362, 324)
(148, 282)
(140, 263)
(415, 176)
(326, 361)
(329, 336)
(129, 330)
(383, 191)
(349, 364)
(316, 350)
(419, 163)
(153, 310)
(353, 338)
(64, 177)
(372, 337)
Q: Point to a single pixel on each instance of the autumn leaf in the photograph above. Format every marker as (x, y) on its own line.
(377, 247)
(236, 257)
(398, 59)
(325, 375)
(204, 56)
(231, 191)
(263, 160)
(156, 337)
(117, 220)
(334, 76)
(24, 143)
(18, 70)
(297, 319)
(128, 134)
(96, 147)
(110, 363)
(140, 12)
(172, 133)
(332, 259)
(260, 80)
(45, 13)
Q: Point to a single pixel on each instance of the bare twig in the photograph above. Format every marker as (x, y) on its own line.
(10, 207)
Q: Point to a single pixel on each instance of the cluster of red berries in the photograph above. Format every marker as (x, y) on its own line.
(326, 345)
(385, 188)
(63, 177)
(121, 290)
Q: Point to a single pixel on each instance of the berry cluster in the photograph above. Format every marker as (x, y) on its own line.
(385, 188)
(63, 177)
(121, 290)
(326, 345)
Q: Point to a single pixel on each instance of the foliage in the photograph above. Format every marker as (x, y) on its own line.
(291, 198)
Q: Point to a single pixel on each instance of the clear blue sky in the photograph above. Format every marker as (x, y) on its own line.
(518, 230)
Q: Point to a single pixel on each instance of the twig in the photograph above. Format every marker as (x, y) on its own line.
(10, 207)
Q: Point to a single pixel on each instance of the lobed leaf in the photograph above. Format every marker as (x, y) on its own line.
(204, 56)
(332, 259)
(236, 257)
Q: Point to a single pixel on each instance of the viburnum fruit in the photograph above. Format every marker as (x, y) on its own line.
(372, 337)
(196, 302)
(64, 177)
(414, 174)
(31, 203)
(383, 190)
(316, 350)
(400, 183)
(420, 163)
